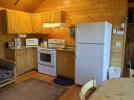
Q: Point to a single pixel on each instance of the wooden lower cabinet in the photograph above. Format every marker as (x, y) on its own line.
(1, 47)
(21, 65)
(26, 59)
(65, 63)
(31, 58)
(60, 65)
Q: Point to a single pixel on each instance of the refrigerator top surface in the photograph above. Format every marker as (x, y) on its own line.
(93, 32)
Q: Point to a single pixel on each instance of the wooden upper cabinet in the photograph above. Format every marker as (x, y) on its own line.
(12, 19)
(9, 21)
(28, 23)
(37, 22)
(46, 17)
(53, 17)
(57, 16)
(17, 22)
(24, 23)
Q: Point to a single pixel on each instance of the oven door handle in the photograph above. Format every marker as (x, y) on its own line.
(44, 52)
(46, 65)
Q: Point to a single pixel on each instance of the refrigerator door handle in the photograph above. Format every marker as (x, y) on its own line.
(76, 56)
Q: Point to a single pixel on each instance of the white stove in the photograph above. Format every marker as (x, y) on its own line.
(47, 57)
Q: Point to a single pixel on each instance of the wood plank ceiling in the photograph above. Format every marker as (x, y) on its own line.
(23, 5)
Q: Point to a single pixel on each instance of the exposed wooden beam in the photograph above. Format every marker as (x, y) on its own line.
(16, 2)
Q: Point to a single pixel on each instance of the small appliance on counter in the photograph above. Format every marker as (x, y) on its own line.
(45, 43)
(32, 42)
(9, 45)
(17, 42)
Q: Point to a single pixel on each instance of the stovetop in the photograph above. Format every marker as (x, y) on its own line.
(46, 48)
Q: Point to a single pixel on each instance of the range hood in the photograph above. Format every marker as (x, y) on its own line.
(53, 25)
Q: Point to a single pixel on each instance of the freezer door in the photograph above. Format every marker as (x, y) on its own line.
(89, 63)
(93, 32)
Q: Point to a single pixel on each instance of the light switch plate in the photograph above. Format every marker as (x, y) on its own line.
(120, 32)
(118, 44)
(114, 31)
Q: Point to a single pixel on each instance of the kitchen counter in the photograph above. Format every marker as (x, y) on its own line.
(22, 47)
(67, 49)
(26, 47)
(25, 58)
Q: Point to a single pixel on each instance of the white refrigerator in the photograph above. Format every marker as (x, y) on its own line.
(93, 42)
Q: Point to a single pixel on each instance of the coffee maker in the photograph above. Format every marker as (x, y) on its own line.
(17, 42)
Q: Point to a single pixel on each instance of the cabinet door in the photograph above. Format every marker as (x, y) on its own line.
(70, 65)
(28, 23)
(65, 63)
(46, 17)
(22, 22)
(20, 64)
(31, 58)
(1, 48)
(60, 65)
(37, 22)
(25, 24)
(12, 22)
(57, 16)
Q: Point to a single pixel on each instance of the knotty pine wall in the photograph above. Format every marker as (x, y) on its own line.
(88, 11)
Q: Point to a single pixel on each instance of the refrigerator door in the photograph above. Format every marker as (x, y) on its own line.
(89, 63)
(93, 32)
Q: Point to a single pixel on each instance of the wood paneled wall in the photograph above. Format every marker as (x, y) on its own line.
(87, 11)
(3, 39)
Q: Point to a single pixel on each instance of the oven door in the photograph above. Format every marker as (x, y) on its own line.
(46, 58)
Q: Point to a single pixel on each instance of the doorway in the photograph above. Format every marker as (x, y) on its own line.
(129, 52)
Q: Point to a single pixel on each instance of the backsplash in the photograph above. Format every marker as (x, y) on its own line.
(61, 33)
(3, 39)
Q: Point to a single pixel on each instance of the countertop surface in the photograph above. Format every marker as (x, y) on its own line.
(22, 47)
(67, 49)
(27, 47)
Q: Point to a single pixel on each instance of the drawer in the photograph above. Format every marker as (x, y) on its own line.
(20, 52)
